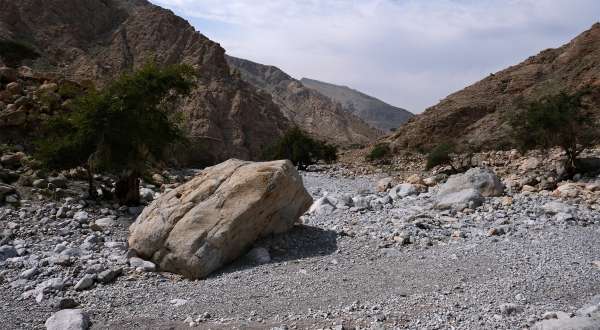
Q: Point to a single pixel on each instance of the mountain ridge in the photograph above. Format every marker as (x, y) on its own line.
(476, 116)
(307, 108)
(95, 41)
(375, 112)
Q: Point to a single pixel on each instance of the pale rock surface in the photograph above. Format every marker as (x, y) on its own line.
(468, 189)
(68, 319)
(214, 218)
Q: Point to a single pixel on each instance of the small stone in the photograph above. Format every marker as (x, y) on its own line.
(109, 275)
(68, 319)
(58, 181)
(28, 274)
(178, 302)
(86, 282)
(7, 251)
(549, 316)
(495, 231)
(142, 264)
(64, 303)
(104, 223)
(81, 216)
(509, 309)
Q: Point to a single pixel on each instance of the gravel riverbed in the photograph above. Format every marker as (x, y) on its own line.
(403, 265)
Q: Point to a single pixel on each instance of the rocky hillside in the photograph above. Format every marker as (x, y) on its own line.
(477, 114)
(90, 40)
(307, 108)
(375, 112)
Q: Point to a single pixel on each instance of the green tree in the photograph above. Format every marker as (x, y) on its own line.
(15, 52)
(120, 129)
(440, 155)
(560, 120)
(301, 149)
(379, 151)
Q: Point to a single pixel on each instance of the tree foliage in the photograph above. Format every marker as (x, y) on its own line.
(121, 128)
(560, 120)
(301, 149)
(379, 151)
(15, 52)
(440, 155)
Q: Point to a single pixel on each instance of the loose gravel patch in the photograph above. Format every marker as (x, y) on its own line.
(405, 265)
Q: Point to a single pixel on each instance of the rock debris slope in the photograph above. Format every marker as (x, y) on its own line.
(94, 41)
(476, 115)
(373, 111)
(310, 110)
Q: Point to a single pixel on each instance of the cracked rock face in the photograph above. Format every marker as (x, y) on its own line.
(213, 219)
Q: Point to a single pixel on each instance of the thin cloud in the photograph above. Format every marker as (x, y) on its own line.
(410, 53)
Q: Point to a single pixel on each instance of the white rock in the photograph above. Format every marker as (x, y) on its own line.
(105, 222)
(81, 216)
(68, 319)
(145, 265)
(403, 190)
(146, 194)
(321, 206)
(556, 207)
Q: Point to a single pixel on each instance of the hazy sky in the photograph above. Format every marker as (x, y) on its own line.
(410, 53)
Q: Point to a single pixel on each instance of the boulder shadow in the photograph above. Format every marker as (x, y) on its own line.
(301, 242)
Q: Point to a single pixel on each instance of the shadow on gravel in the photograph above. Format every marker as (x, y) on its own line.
(299, 243)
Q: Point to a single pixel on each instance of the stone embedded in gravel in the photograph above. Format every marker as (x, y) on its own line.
(483, 180)
(259, 255)
(360, 202)
(510, 308)
(56, 283)
(7, 251)
(105, 223)
(64, 303)
(147, 195)
(384, 184)
(321, 206)
(403, 190)
(555, 207)
(81, 216)
(145, 265)
(467, 189)
(86, 282)
(68, 319)
(40, 183)
(459, 200)
(58, 181)
(29, 273)
(178, 302)
(109, 275)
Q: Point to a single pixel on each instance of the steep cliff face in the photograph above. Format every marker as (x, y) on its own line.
(477, 115)
(96, 40)
(307, 108)
(373, 111)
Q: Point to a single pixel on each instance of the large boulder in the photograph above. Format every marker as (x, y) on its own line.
(468, 189)
(214, 218)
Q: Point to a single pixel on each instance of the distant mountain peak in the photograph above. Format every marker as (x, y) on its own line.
(375, 112)
(307, 108)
